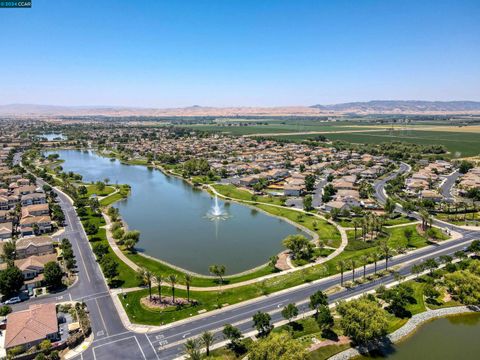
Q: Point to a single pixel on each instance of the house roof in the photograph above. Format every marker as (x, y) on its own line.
(33, 324)
(35, 261)
(24, 243)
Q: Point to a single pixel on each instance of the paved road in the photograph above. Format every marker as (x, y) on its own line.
(113, 341)
(167, 343)
(446, 187)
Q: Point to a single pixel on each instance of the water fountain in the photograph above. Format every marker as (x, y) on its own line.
(217, 212)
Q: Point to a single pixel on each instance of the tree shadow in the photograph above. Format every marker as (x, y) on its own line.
(116, 283)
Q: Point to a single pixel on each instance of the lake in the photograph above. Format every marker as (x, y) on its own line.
(172, 218)
(450, 338)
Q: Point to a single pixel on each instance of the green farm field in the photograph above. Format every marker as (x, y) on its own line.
(459, 144)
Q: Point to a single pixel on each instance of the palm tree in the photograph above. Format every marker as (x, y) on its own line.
(188, 281)
(341, 268)
(387, 252)
(172, 278)
(146, 277)
(355, 226)
(375, 258)
(192, 349)
(424, 215)
(158, 279)
(364, 259)
(207, 340)
(352, 263)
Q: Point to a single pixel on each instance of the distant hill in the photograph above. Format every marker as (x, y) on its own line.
(360, 108)
(402, 106)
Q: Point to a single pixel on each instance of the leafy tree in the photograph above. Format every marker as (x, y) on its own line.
(109, 267)
(82, 190)
(299, 245)
(100, 249)
(308, 203)
(389, 206)
(53, 274)
(318, 299)
(465, 166)
(430, 293)
(277, 347)
(310, 182)
(261, 322)
(11, 281)
(289, 312)
(232, 334)
(464, 286)
(100, 185)
(324, 318)
(218, 271)
(363, 320)
(398, 297)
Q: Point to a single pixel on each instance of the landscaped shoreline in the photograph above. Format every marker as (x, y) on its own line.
(411, 327)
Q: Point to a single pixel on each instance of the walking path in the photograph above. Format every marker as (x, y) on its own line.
(136, 267)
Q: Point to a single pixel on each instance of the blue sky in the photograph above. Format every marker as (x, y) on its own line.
(238, 52)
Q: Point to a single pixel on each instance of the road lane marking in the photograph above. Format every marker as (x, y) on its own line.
(101, 316)
(155, 351)
(141, 350)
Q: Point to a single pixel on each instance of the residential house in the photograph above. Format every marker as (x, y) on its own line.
(42, 223)
(38, 245)
(33, 199)
(28, 328)
(35, 210)
(6, 230)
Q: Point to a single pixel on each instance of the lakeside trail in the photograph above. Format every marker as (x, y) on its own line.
(319, 261)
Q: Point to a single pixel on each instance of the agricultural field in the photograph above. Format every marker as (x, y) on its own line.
(459, 144)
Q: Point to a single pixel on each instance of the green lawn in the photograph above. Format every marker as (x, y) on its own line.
(158, 267)
(233, 192)
(327, 352)
(326, 231)
(127, 277)
(93, 190)
(122, 194)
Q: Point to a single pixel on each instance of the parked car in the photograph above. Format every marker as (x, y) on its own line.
(13, 300)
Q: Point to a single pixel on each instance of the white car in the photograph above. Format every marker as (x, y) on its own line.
(13, 300)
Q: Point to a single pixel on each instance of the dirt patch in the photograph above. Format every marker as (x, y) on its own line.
(167, 301)
(341, 341)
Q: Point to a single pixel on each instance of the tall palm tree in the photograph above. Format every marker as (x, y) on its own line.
(158, 279)
(172, 278)
(424, 215)
(146, 278)
(364, 259)
(341, 268)
(188, 281)
(387, 252)
(352, 264)
(207, 340)
(355, 226)
(375, 258)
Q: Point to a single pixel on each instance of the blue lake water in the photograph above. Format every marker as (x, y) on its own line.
(171, 216)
